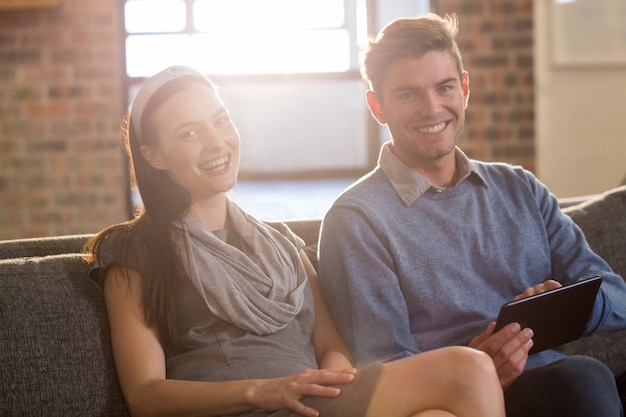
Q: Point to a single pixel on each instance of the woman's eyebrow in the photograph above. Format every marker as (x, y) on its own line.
(222, 111)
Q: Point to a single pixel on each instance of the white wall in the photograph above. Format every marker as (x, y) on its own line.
(299, 125)
(580, 119)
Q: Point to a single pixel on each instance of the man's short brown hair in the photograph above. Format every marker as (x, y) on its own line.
(409, 38)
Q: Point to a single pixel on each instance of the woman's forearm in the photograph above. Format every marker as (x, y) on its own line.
(191, 398)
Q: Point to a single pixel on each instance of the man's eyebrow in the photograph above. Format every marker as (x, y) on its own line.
(405, 88)
(448, 80)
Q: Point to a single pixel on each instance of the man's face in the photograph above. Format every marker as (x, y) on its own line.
(422, 101)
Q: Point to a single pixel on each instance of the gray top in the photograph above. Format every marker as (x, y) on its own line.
(216, 350)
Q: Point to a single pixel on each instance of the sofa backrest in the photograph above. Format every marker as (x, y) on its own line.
(603, 220)
(307, 229)
(55, 355)
(42, 246)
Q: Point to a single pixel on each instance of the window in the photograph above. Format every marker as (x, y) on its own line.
(242, 36)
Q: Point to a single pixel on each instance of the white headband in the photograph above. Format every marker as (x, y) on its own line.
(151, 86)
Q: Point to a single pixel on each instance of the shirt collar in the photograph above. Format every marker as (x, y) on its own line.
(410, 184)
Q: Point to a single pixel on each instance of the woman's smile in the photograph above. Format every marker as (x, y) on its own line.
(217, 166)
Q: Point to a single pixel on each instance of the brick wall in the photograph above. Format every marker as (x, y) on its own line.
(61, 101)
(496, 41)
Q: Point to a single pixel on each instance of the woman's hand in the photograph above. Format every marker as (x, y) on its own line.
(538, 289)
(286, 392)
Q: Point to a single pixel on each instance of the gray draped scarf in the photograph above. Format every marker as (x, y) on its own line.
(260, 292)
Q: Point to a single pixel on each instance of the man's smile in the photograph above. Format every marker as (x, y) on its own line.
(431, 129)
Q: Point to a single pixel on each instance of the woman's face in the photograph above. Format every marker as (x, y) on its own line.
(197, 143)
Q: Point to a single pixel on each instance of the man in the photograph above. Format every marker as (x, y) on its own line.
(422, 252)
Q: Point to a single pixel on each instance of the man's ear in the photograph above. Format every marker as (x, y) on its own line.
(375, 107)
(151, 154)
(466, 89)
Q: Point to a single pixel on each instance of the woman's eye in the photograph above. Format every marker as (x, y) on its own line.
(189, 134)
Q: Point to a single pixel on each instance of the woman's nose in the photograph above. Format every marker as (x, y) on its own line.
(211, 137)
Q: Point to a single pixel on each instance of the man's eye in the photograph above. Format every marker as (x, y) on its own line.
(445, 88)
(407, 96)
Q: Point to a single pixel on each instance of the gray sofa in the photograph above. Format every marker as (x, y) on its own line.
(55, 356)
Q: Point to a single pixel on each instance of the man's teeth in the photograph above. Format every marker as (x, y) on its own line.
(432, 129)
(217, 163)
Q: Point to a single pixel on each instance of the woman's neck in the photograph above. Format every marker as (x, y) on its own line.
(211, 213)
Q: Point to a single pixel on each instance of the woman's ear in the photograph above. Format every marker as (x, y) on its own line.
(375, 107)
(152, 155)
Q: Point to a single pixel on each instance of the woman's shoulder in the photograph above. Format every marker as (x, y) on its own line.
(120, 244)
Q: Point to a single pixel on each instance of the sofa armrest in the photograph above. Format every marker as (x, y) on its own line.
(56, 358)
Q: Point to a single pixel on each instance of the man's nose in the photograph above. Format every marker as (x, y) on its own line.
(429, 104)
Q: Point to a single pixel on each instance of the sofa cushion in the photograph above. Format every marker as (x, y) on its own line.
(56, 357)
(603, 220)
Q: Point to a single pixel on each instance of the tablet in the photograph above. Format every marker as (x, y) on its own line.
(556, 317)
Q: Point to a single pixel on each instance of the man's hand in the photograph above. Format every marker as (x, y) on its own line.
(539, 288)
(508, 349)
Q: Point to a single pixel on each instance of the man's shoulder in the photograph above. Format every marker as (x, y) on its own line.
(367, 198)
(495, 172)
(371, 184)
(496, 167)
(513, 181)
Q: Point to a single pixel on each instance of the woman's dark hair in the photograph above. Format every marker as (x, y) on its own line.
(147, 235)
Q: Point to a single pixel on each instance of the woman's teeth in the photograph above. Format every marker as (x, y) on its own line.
(216, 164)
(432, 129)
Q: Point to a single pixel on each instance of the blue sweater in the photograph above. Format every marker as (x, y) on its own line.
(401, 279)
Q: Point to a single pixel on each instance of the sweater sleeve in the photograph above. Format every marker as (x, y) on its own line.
(574, 260)
(362, 288)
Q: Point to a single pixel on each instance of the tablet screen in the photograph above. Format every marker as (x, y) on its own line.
(556, 317)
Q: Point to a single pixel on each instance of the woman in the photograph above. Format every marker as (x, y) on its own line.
(213, 313)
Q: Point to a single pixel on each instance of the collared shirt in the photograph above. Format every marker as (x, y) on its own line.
(410, 184)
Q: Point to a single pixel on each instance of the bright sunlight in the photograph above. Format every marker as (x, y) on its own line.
(238, 36)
